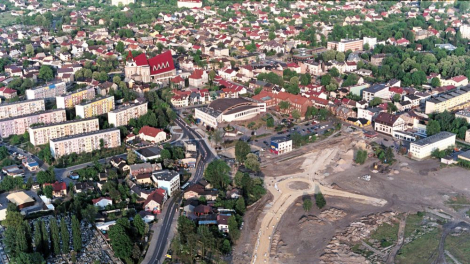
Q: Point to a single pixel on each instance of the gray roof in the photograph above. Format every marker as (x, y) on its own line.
(375, 88)
(434, 138)
(165, 175)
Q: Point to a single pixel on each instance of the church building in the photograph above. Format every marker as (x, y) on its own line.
(158, 68)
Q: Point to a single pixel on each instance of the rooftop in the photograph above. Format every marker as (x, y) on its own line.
(96, 100)
(33, 114)
(149, 152)
(102, 131)
(165, 175)
(434, 138)
(65, 122)
(279, 139)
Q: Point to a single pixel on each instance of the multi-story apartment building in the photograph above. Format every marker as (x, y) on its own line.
(47, 91)
(122, 115)
(40, 135)
(20, 124)
(452, 100)
(99, 106)
(86, 142)
(346, 44)
(69, 100)
(21, 108)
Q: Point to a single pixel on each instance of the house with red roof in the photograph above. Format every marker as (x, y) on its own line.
(102, 202)
(59, 189)
(457, 81)
(155, 201)
(177, 81)
(8, 93)
(403, 42)
(150, 70)
(152, 134)
(198, 78)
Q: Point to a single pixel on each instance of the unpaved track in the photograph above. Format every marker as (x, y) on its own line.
(284, 196)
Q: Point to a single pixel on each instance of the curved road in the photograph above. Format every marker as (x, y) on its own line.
(284, 196)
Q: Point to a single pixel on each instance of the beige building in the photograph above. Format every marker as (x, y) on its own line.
(20, 124)
(21, 108)
(122, 115)
(86, 142)
(72, 99)
(47, 91)
(42, 134)
(99, 106)
(452, 100)
(122, 2)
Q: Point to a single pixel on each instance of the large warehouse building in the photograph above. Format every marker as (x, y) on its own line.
(228, 110)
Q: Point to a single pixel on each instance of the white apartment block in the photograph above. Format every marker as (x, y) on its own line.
(20, 124)
(99, 106)
(47, 91)
(41, 135)
(281, 145)
(122, 115)
(21, 108)
(451, 100)
(86, 142)
(424, 147)
(72, 99)
(189, 3)
(167, 180)
(465, 31)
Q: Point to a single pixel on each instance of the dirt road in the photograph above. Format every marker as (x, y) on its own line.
(285, 192)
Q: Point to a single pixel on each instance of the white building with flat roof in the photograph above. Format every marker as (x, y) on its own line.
(167, 180)
(424, 147)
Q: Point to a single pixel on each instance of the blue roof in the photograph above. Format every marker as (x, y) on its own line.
(32, 164)
(207, 222)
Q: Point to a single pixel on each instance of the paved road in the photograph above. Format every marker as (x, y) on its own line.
(205, 156)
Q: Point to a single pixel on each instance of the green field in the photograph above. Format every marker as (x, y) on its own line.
(386, 234)
(412, 224)
(6, 19)
(421, 250)
(459, 247)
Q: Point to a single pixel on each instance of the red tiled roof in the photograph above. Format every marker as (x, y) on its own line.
(177, 79)
(158, 64)
(156, 196)
(99, 199)
(459, 78)
(150, 131)
(57, 186)
(7, 90)
(197, 74)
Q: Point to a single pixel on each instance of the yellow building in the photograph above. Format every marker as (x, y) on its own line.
(99, 106)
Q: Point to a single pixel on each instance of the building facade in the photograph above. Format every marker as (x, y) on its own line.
(48, 91)
(72, 99)
(21, 108)
(122, 2)
(95, 107)
(345, 44)
(19, 125)
(145, 70)
(167, 180)
(388, 123)
(122, 115)
(42, 134)
(424, 147)
(86, 142)
(189, 3)
(280, 145)
(452, 100)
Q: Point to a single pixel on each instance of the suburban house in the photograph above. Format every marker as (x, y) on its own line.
(59, 189)
(155, 200)
(142, 168)
(102, 202)
(152, 134)
(143, 179)
(388, 123)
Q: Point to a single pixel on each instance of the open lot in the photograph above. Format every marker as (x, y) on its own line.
(411, 186)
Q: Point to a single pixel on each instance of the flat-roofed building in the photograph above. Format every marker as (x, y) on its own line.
(424, 147)
(21, 108)
(122, 115)
(20, 124)
(21, 199)
(280, 145)
(345, 44)
(452, 100)
(47, 91)
(86, 142)
(99, 106)
(71, 99)
(167, 180)
(465, 114)
(40, 135)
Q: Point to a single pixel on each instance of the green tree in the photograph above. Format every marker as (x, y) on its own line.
(375, 101)
(284, 105)
(217, 174)
(45, 239)
(241, 150)
(139, 224)
(116, 79)
(272, 35)
(340, 57)
(38, 242)
(258, 90)
(64, 233)
(217, 136)
(361, 156)
(120, 47)
(234, 232)
(396, 98)
(240, 205)
(55, 238)
(435, 82)
(252, 163)
(120, 241)
(295, 114)
(29, 50)
(89, 213)
(307, 204)
(320, 200)
(433, 127)
(270, 122)
(165, 154)
(46, 73)
(48, 191)
(325, 79)
(131, 157)
(76, 234)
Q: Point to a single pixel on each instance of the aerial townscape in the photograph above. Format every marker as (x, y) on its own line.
(234, 131)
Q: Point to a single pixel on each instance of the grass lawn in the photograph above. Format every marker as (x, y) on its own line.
(459, 247)
(386, 234)
(412, 224)
(6, 19)
(421, 250)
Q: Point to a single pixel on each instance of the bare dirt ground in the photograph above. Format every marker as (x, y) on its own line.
(301, 237)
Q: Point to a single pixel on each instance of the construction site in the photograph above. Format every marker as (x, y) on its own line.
(406, 212)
